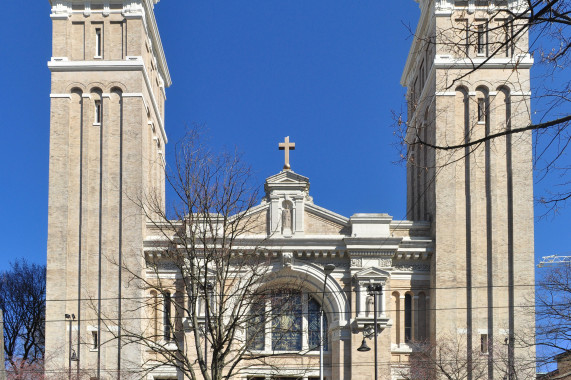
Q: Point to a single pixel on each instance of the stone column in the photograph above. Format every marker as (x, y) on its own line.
(415, 318)
(401, 317)
(359, 300)
(298, 215)
(427, 316)
(383, 305)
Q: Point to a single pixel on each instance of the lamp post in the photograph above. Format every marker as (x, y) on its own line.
(207, 306)
(72, 357)
(374, 291)
(328, 268)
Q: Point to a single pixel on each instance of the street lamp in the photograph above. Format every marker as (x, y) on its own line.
(374, 291)
(72, 356)
(207, 306)
(328, 268)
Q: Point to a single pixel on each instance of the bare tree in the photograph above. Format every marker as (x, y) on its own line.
(206, 275)
(23, 301)
(532, 28)
(448, 358)
(553, 314)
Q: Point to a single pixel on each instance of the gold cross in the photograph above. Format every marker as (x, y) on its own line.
(287, 146)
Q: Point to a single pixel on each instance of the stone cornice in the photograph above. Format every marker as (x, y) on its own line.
(327, 214)
(519, 61)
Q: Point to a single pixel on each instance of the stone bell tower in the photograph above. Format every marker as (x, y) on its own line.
(468, 78)
(107, 138)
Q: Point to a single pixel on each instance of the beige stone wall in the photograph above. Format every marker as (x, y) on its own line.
(315, 225)
(480, 199)
(100, 173)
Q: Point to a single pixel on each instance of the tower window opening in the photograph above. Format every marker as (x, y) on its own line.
(484, 343)
(507, 27)
(97, 116)
(98, 43)
(464, 35)
(481, 49)
(94, 340)
(481, 110)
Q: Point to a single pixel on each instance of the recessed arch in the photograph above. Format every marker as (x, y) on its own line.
(75, 85)
(117, 86)
(311, 278)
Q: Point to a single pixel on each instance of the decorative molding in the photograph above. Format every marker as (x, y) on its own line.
(445, 93)
(106, 9)
(520, 93)
(55, 96)
(287, 259)
(385, 263)
(133, 10)
(406, 267)
(87, 9)
(517, 61)
(372, 253)
(61, 10)
(356, 263)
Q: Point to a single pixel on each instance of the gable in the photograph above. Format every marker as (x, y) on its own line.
(255, 222)
(318, 225)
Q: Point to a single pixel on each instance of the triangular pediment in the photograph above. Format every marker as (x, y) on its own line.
(372, 273)
(287, 176)
(287, 182)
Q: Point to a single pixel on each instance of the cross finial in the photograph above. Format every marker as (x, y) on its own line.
(287, 146)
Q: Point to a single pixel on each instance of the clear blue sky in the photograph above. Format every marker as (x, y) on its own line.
(325, 72)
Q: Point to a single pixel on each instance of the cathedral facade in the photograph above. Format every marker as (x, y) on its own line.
(458, 272)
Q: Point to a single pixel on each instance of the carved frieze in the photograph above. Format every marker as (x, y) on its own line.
(411, 267)
(356, 263)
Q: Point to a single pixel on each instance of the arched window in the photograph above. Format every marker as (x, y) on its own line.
(407, 318)
(167, 326)
(313, 315)
(285, 320)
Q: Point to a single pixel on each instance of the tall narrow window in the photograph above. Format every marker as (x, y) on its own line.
(255, 334)
(94, 340)
(507, 38)
(98, 42)
(481, 110)
(484, 343)
(167, 327)
(407, 318)
(97, 116)
(313, 317)
(465, 36)
(286, 321)
(481, 39)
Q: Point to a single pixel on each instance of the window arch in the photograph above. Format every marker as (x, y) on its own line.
(286, 320)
